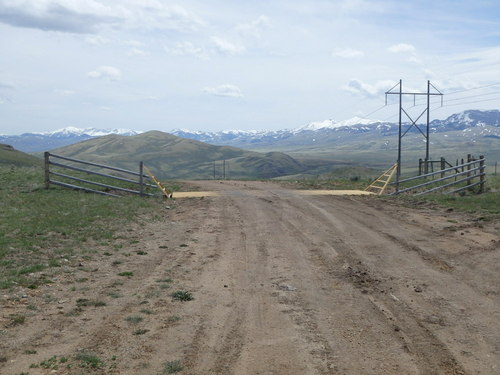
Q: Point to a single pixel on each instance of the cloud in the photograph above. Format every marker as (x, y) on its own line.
(226, 47)
(348, 53)
(188, 49)
(75, 16)
(56, 15)
(254, 28)
(358, 87)
(96, 40)
(402, 47)
(137, 52)
(224, 90)
(5, 86)
(63, 92)
(106, 72)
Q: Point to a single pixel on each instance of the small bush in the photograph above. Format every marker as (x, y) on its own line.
(172, 367)
(89, 360)
(182, 295)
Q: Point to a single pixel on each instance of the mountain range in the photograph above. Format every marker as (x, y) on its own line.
(315, 148)
(470, 126)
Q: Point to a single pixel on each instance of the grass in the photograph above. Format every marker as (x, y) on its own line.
(39, 228)
(172, 367)
(486, 204)
(126, 273)
(135, 319)
(89, 360)
(182, 295)
(16, 319)
(86, 302)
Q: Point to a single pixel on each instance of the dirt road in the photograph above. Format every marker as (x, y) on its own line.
(282, 284)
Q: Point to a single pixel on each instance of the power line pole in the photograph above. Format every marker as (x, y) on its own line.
(400, 93)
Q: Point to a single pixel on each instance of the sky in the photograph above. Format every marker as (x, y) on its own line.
(251, 65)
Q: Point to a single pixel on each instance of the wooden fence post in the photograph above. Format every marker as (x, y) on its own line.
(47, 170)
(443, 166)
(481, 172)
(141, 178)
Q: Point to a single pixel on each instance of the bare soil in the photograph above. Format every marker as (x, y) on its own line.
(282, 284)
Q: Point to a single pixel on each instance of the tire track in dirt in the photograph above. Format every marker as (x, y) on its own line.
(424, 342)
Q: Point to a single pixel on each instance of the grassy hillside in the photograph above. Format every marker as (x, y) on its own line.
(172, 157)
(11, 156)
(42, 231)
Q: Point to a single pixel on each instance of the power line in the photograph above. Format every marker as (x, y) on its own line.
(473, 88)
(472, 96)
(477, 101)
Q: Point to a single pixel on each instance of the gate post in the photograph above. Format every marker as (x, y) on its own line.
(481, 174)
(141, 178)
(47, 170)
(443, 166)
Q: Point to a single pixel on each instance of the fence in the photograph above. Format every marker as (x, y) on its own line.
(467, 175)
(111, 189)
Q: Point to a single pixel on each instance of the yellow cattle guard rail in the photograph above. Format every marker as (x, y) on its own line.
(380, 184)
(167, 193)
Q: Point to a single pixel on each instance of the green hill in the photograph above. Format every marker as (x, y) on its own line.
(10, 156)
(172, 157)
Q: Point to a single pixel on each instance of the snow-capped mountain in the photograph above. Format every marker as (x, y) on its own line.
(470, 126)
(331, 124)
(91, 132)
(36, 142)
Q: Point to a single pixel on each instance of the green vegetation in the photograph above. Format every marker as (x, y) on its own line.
(486, 204)
(140, 331)
(17, 319)
(85, 302)
(89, 360)
(40, 229)
(182, 295)
(172, 367)
(126, 273)
(134, 319)
(12, 157)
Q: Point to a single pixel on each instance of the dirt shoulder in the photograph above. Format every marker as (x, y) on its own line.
(282, 284)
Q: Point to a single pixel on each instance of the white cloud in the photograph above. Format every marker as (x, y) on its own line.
(358, 87)
(224, 90)
(106, 72)
(188, 49)
(402, 47)
(137, 52)
(63, 92)
(254, 28)
(133, 43)
(348, 53)
(226, 47)
(96, 40)
(89, 16)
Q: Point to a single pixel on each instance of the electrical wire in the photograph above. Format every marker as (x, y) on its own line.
(472, 96)
(477, 101)
(473, 88)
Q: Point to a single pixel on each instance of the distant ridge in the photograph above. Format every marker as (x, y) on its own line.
(468, 126)
(172, 157)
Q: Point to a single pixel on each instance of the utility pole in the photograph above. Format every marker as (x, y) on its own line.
(400, 93)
